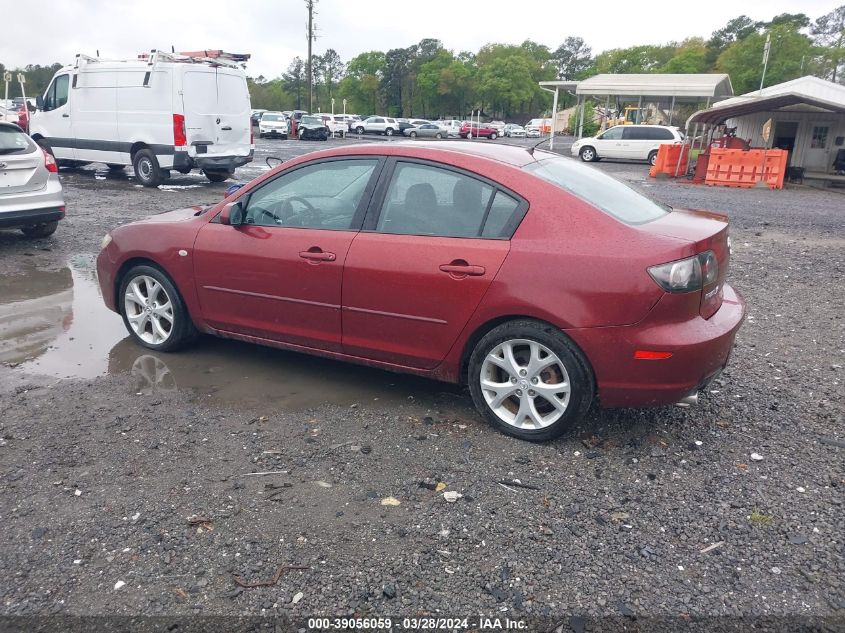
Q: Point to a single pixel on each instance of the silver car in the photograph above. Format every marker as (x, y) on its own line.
(427, 130)
(30, 192)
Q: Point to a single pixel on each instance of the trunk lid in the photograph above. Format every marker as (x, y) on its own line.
(705, 231)
(22, 167)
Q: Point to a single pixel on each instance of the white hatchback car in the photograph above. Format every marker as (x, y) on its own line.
(632, 142)
(30, 192)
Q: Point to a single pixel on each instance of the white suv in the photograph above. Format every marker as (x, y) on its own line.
(634, 142)
(273, 124)
(378, 125)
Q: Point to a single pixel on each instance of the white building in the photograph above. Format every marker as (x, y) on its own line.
(808, 119)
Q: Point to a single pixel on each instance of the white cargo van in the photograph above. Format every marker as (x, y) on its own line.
(160, 112)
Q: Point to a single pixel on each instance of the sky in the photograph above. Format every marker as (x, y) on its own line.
(273, 31)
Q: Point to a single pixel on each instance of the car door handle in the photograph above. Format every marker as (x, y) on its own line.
(228, 128)
(316, 254)
(65, 116)
(460, 267)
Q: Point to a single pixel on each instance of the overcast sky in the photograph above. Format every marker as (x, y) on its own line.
(274, 30)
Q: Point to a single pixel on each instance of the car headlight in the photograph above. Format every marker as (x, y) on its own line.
(106, 241)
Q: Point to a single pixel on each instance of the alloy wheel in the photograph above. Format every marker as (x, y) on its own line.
(525, 384)
(149, 310)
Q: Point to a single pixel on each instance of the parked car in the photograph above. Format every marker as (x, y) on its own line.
(31, 196)
(293, 122)
(378, 125)
(273, 124)
(453, 126)
(335, 122)
(537, 127)
(157, 114)
(426, 130)
(499, 125)
(513, 130)
(532, 131)
(472, 130)
(255, 116)
(434, 268)
(312, 127)
(633, 142)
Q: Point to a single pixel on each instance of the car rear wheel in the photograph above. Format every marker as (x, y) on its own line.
(359, 130)
(40, 230)
(652, 158)
(588, 154)
(153, 310)
(529, 380)
(146, 168)
(389, 131)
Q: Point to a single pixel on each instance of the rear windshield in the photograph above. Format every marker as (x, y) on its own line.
(13, 141)
(599, 189)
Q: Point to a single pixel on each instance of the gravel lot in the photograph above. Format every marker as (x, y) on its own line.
(123, 497)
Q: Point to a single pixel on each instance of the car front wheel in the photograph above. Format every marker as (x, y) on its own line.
(588, 154)
(493, 136)
(389, 131)
(153, 310)
(529, 380)
(359, 130)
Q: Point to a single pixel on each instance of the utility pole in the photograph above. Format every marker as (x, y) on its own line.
(310, 5)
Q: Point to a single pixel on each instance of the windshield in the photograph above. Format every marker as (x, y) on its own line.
(13, 141)
(312, 120)
(273, 117)
(599, 189)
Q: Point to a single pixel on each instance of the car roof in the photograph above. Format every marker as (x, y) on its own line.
(508, 154)
(14, 126)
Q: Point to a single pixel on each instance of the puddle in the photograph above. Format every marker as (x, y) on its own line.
(54, 323)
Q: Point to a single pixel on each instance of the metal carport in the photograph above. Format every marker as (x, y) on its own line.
(679, 88)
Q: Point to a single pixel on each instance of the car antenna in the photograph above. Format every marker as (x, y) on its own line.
(531, 149)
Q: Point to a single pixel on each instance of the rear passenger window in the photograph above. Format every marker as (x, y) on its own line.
(499, 216)
(428, 200)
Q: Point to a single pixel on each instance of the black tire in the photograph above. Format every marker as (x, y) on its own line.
(115, 168)
(182, 331)
(588, 154)
(388, 131)
(261, 135)
(493, 136)
(44, 229)
(582, 383)
(147, 171)
(438, 135)
(217, 176)
(360, 130)
(412, 134)
(652, 158)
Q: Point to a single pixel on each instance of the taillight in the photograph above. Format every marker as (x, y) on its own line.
(50, 162)
(180, 139)
(687, 275)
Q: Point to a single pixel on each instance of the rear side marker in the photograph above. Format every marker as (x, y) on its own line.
(642, 354)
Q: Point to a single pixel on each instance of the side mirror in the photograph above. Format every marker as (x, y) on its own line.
(39, 102)
(232, 214)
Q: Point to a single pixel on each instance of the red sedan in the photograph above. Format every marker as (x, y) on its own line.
(475, 130)
(541, 283)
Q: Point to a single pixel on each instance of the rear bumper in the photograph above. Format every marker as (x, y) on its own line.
(700, 350)
(9, 219)
(182, 161)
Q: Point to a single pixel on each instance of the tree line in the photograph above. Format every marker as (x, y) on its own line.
(501, 80)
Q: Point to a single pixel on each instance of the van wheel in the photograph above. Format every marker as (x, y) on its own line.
(588, 154)
(40, 230)
(146, 168)
(217, 176)
(652, 158)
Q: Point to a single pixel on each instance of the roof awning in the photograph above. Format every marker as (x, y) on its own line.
(751, 105)
(689, 88)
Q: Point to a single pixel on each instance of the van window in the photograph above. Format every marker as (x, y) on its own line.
(56, 95)
(597, 188)
(613, 134)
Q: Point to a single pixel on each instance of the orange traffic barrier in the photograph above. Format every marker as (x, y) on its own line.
(740, 168)
(667, 160)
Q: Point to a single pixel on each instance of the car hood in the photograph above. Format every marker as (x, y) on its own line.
(178, 215)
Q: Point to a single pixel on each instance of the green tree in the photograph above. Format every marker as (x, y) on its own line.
(690, 57)
(362, 82)
(572, 58)
(294, 80)
(636, 59)
(505, 81)
(743, 60)
(735, 30)
(829, 34)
